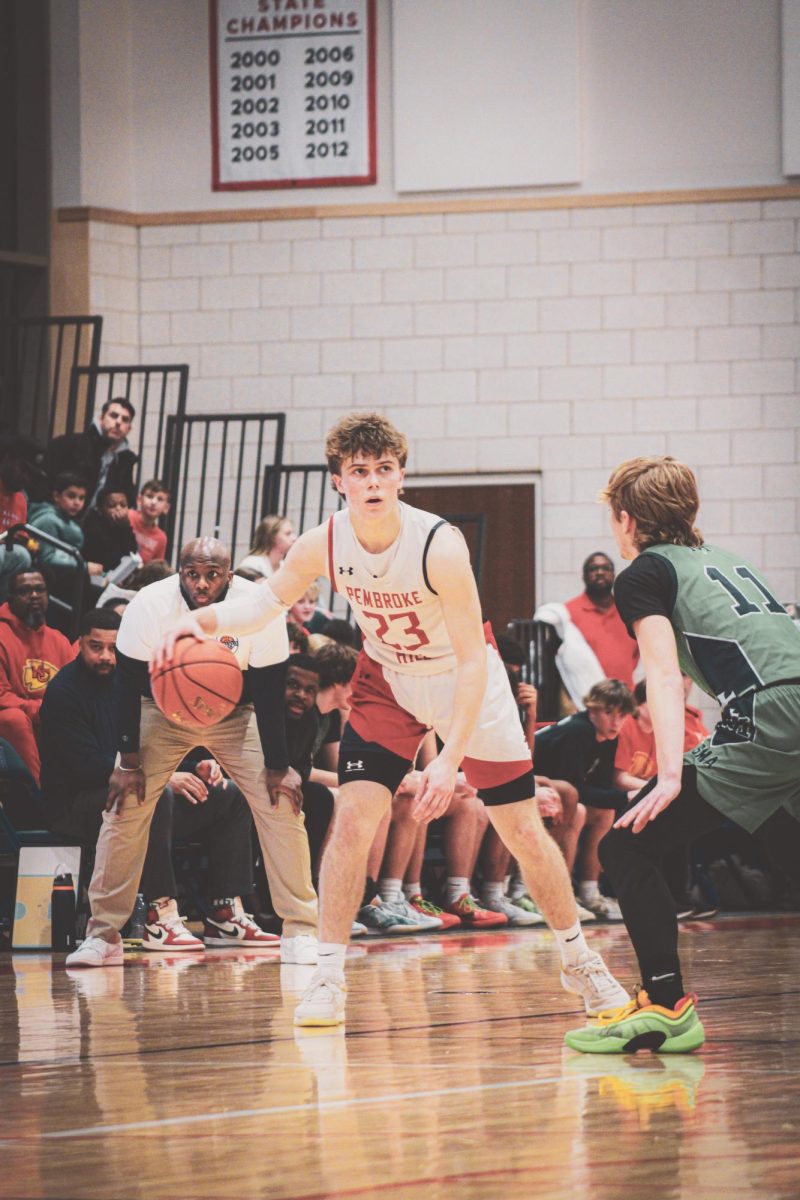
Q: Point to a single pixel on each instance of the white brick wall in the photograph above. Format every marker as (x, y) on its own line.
(555, 341)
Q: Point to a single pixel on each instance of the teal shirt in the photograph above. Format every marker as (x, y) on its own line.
(48, 518)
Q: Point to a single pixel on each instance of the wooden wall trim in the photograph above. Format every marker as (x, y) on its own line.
(112, 216)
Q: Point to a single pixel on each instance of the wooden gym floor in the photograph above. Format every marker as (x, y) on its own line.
(183, 1077)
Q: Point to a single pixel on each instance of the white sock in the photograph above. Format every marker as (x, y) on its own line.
(330, 959)
(390, 890)
(571, 944)
(492, 891)
(412, 889)
(457, 885)
(517, 887)
(588, 889)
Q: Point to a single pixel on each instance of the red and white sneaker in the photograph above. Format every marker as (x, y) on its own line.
(449, 920)
(231, 926)
(165, 931)
(474, 915)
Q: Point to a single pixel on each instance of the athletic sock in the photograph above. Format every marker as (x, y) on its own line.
(390, 890)
(588, 889)
(330, 959)
(491, 892)
(457, 885)
(410, 890)
(663, 983)
(571, 944)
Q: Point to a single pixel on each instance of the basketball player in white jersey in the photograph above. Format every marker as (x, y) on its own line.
(425, 664)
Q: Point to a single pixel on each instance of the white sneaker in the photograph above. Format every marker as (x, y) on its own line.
(358, 930)
(322, 1002)
(300, 950)
(515, 914)
(603, 908)
(422, 920)
(592, 980)
(96, 952)
(584, 914)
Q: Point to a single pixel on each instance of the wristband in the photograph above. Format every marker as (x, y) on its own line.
(129, 768)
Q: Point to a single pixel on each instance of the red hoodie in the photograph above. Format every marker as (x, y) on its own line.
(29, 658)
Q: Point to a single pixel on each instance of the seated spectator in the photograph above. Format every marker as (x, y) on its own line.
(59, 518)
(152, 503)
(107, 533)
(151, 572)
(303, 722)
(336, 666)
(19, 795)
(31, 653)
(595, 614)
(13, 508)
(272, 541)
(341, 631)
(100, 454)
(304, 609)
(298, 638)
(78, 756)
(580, 750)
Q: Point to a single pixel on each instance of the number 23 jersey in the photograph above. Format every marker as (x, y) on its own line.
(396, 608)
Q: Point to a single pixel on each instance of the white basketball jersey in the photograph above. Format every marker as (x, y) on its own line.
(395, 606)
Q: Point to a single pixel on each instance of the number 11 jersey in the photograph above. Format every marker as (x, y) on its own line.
(397, 610)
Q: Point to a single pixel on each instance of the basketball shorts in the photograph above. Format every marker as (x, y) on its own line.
(390, 713)
(750, 765)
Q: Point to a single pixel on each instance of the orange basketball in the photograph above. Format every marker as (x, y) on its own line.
(200, 687)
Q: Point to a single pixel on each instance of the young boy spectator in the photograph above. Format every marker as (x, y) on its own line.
(152, 503)
(580, 749)
(31, 653)
(306, 613)
(107, 532)
(59, 518)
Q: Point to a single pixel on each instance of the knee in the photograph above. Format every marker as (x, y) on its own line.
(569, 800)
(15, 720)
(356, 822)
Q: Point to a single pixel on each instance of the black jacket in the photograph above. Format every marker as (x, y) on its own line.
(107, 541)
(83, 452)
(77, 739)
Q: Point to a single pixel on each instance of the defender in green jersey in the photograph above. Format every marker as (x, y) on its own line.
(709, 613)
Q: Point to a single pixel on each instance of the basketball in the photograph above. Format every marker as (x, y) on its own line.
(200, 687)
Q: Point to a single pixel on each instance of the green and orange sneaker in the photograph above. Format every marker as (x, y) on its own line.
(474, 915)
(640, 1025)
(449, 920)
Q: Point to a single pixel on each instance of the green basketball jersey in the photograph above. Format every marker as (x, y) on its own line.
(733, 635)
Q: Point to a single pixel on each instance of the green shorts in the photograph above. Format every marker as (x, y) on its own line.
(750, 765)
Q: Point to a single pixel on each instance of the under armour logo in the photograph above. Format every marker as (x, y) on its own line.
(355, 766)
(345, 570)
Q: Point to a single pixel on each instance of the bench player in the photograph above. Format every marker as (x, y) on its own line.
(708, 612)
(407, 576)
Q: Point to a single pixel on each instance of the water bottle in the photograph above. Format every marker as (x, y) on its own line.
(137, 920)
(62, 911)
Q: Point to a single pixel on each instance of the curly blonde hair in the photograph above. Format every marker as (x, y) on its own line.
(363, 433)
(661, 496)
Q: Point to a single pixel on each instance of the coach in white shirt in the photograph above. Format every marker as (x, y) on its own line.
(250, 745)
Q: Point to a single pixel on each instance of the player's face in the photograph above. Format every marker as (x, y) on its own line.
(204, 580)
(370, 485)
(301, 692)
(285, 538)
(98, 651)
(607, 722)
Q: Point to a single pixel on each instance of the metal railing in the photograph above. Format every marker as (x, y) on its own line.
(38, 356)
(220, 462)
(540, 642)
(158, 393)
(303, 493)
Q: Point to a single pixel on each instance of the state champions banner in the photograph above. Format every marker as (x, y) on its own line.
(292, 93)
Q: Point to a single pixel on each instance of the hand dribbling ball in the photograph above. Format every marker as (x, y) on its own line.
(200, 686)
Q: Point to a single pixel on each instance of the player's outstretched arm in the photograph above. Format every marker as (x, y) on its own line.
(243, 615)
(451, 578)
(665, 700)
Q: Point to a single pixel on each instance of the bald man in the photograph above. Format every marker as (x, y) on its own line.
(250, 745)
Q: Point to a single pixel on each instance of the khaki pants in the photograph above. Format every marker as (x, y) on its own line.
(122, 844)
